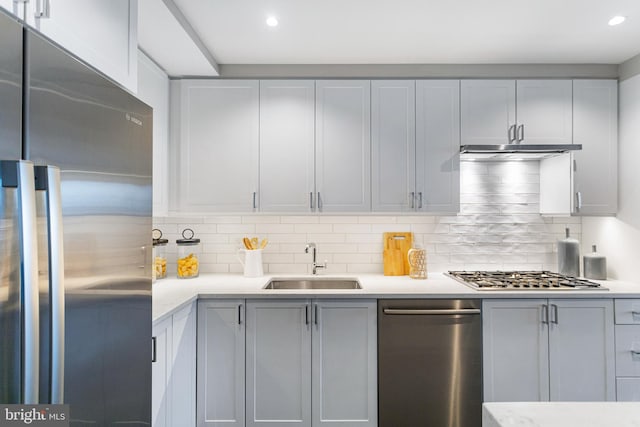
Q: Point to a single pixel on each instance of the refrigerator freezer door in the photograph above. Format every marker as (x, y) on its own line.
(100, 138)
(10, 88)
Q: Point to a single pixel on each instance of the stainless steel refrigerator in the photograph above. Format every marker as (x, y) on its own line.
(75, 240)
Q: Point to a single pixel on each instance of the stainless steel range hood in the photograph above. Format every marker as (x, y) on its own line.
(515, 151)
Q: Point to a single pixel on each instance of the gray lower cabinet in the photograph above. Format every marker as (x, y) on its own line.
(221, 363)
(174, 369)
(627, 350)
(311, 362)
(548, 350)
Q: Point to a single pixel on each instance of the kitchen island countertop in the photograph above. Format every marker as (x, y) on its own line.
(561, 414)
(171, 294)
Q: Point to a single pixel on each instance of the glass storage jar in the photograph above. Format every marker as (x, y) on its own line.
(188, 255)
(159, 255)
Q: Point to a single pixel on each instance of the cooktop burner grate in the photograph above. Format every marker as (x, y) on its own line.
(522, 281)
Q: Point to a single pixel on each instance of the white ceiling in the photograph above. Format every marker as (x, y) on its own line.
(414, 31)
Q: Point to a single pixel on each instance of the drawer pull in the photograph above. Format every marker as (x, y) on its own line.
(635, 313)
(635, 353)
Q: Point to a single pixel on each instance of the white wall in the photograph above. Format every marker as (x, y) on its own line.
(153, 89)
(498, 227)
(619, 238)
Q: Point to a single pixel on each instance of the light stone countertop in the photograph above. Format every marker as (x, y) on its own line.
(171, 294)
(561, 414)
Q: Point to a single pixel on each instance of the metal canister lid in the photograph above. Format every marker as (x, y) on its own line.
(157, 238)
(188, 240)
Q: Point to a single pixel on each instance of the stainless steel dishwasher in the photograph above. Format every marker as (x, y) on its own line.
(429, 363)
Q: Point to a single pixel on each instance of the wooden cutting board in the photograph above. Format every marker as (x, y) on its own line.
(394, 254)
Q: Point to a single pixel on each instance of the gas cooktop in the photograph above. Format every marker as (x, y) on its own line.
(522, 281)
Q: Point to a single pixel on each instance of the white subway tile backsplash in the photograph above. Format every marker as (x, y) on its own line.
(498, 227)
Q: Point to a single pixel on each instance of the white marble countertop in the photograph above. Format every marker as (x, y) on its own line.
(171, 294)
(561, 414)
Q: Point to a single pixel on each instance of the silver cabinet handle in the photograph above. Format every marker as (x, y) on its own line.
(306, 314)
(19, 175)
(578, 201)
(255, 206)
(554, 314)
(239, 314)
(420, 200)
(635, 353)
(315, 314)
(545, 314)
(511, 133)
(520, 133)
(48, 180)
(154, 350)
(319, 202)
(311, 200)
(412, 197)
(43, 9)
(635, 313)
(414, 311)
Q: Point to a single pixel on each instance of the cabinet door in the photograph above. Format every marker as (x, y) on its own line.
(343, 145)
(595, 126)
(153, 89)
(221, 364)
(628, 389)
(102, 33)
(544, 111)
(393, 145)
(487, 111)
(161, 374)
(218, 168)
(516, 351)
(344, 363)
(581, 350)
(183, 371)
(438, 145)
(278, 363)
(287, 135)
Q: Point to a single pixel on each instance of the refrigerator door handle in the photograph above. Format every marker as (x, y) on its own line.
(56, 282)
(25, 184)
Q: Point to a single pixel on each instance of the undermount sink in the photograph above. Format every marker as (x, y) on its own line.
(313, 283)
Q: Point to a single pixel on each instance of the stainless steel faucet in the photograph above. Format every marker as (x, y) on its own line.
(315, 265)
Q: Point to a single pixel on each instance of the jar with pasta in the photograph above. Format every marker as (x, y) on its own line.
(159, 255)
(188, 255)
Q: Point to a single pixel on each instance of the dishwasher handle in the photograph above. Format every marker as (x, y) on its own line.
(428, 312)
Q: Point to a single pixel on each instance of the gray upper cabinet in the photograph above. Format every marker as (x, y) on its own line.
(221, 364)
(393, 145)
(219, 143)
(437, 146)
(487, 111)
(343, 145)
(287, 136)
(595, 126)
(516, 112)
(544, 112)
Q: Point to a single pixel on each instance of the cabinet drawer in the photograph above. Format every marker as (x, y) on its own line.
(628, 311)
(628, 350)
(628, 389)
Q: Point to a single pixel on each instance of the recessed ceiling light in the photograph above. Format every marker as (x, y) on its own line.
(272, 21)
(616, 20)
